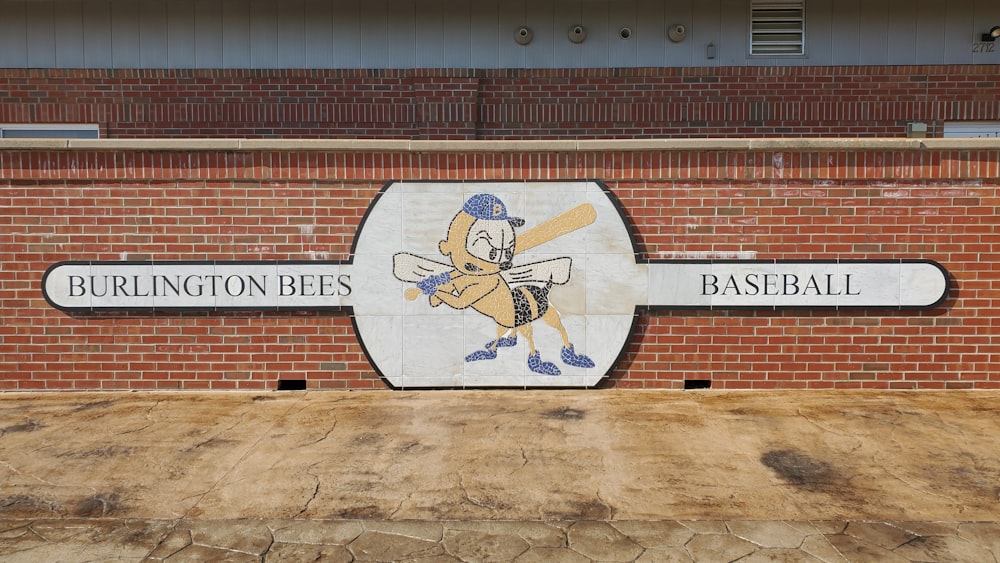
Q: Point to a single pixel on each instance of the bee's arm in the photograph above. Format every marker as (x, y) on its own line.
(430, 284)
(462, 297)
(450, 287)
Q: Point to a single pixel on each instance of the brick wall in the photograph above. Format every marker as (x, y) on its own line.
(244, 205)
(502, 104)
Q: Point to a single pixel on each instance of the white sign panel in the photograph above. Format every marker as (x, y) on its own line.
(241, 286)
(791, 284)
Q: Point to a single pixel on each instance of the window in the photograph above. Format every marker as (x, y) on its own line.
(971, 129)
(777, 27)
(49, 131)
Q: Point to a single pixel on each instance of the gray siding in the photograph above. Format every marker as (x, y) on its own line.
(472, 34)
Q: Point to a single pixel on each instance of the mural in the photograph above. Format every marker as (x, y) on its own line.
(499, 284)
(481, 244)
(447, 282)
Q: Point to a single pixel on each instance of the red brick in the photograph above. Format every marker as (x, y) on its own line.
(925, 211)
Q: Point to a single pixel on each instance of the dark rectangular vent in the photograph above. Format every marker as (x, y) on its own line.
(777, 27)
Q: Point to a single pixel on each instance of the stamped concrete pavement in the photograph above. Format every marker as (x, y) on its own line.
(500, 476)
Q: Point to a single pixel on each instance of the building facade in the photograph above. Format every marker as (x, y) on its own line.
(188, 144)
(458, 69)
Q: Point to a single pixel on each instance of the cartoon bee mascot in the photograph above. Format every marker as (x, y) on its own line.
(481, 245)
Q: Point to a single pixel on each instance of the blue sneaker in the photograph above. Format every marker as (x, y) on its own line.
(481, 355)
(505, 342)
(536, 365)
(571, 358)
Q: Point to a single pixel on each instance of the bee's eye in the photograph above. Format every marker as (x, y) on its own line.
(510, 253)
(493, 254)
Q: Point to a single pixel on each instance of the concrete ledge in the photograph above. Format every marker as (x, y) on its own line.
(151, 144)
(503, 146)
(558, 145)
(34, 144)
(325, 145)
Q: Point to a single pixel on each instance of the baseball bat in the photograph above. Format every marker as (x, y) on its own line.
(563, 224)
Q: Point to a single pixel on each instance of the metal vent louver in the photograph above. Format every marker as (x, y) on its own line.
(777, 27)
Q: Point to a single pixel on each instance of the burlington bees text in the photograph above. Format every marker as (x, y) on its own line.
(194, 285)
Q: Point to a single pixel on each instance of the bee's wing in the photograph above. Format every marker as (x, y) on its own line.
(556, 271)
(412, 268)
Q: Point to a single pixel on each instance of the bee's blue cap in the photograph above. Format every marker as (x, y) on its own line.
(489, 206)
